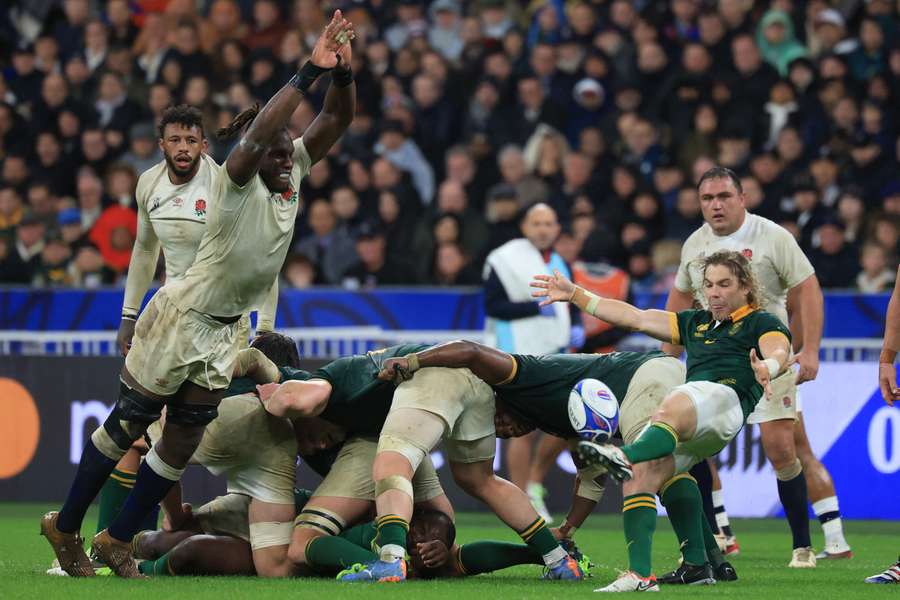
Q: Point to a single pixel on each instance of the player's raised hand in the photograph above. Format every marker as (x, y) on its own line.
(434, 553)
(337, 34)
(552, 288)
(761, 371)
(887, 381)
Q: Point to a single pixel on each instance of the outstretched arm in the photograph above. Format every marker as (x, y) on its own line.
(337, 113)
(677, 301)
(243, 162)
(659, 324)
(488, 364)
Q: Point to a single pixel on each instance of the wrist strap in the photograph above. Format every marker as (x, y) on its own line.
(887, 356)
(342, 76)
(413, 360)
(306, 76)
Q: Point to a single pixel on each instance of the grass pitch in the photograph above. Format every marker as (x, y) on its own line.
(761, 567)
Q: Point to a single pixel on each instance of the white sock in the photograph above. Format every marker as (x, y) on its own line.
(721, 515)
(829, 515)
(554, 556)
(391, 553)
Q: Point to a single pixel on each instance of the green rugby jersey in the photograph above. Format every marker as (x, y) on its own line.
(721, 353)
(360, 401)
(539, 389)
(245, 385)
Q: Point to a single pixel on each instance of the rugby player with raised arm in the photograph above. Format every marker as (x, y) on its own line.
(187, 339)
(734, 350)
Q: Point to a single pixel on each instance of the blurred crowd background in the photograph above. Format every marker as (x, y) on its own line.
(468, 113)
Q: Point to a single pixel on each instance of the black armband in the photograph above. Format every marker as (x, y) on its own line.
(342, 76)
(306, 76)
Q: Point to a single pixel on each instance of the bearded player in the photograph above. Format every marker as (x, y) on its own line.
(187, 339)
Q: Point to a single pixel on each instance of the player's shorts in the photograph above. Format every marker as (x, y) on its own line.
(226, 515)
(649, 385)
(171, 346)
(351, 475)
(719, 419)
(784, 403)
(463, 401)
(255, 451)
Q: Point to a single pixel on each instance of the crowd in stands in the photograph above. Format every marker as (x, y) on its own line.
(468, 113)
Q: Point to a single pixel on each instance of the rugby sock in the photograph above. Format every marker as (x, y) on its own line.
(639, 520)
(703, 476)
(160, 566)
(93, 471)
(657, 441)
(113, 495)
(149, 490)
(391, 538)
(713, 553)
(829, 515)
(329, 554)
(793, 495)
(488, 556)
(722, 522)
(681, 497)
(540, 539)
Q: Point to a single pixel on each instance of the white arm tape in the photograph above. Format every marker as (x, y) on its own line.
(774, 367)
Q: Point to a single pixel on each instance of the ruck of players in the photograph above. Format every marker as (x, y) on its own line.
(199, 387)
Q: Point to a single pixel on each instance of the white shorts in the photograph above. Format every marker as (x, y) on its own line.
(649, 386)
(719, 419)
(171, 346)
(226, 515)
(784, 403)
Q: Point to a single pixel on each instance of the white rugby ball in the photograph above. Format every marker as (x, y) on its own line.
(593, 410)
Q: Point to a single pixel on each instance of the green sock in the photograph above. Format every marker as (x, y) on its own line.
(657, 441)
(329, 554)
(540, 539)
(639, 519)
(113, 495)
(487, 556)
(392, 530)
(713, 554)
(682, 500)
(160, 566)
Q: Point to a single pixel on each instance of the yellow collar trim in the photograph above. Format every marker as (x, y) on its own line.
(741, 313)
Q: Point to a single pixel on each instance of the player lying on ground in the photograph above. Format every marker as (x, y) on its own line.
(411, 419)
(533, 391)
(733, 351)
(186, 341)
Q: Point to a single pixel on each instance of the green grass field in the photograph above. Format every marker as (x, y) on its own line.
(761, 567)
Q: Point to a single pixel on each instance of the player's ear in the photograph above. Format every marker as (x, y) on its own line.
(204, 145)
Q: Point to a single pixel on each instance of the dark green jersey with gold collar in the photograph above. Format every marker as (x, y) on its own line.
(720, 351)
(359, 401)
(539, 390)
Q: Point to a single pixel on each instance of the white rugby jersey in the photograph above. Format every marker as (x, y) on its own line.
(249, 232)
(172, 216)
(777, 260)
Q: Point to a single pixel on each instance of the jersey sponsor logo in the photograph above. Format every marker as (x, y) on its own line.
(702, 326)
(709, 341)
(200, 207)
(735, 328)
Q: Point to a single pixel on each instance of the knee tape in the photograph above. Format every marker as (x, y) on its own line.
(588, 487)
(394, 482)
(269, 533)
(192, 415)
(320, 520)
(790, 471)
(410, 449)
(161, 467)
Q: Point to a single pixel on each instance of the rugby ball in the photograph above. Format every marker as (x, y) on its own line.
(593, 411)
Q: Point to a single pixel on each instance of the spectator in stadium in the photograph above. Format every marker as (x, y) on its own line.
(398, 224)
(835, 262)
(395, 145)
(374, 267)
(529, 189)
(143, 151)
(876, 276)
(777, 41)
(23, 256)
(443, 34)
(298, 272)
(502, 215)
(329, 250)
(452, 267)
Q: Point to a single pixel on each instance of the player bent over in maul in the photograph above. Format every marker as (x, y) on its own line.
(733, 351)
(186, 341)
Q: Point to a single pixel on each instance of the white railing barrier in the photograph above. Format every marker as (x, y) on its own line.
(333, 342)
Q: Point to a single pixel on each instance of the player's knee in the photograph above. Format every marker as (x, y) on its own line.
(127, 422)
(387, 461)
